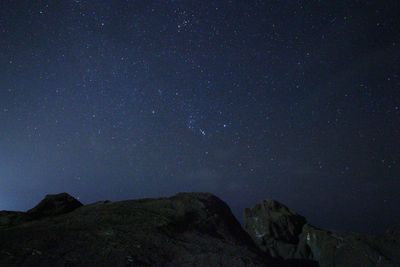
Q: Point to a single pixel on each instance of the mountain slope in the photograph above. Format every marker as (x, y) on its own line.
(189, 229)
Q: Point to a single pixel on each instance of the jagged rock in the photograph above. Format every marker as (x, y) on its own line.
(276, 229)
(53, 205)
(189, 229)
(267, 222)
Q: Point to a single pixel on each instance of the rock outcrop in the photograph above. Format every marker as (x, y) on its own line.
(53, 205)
(189, 229)
(285, 234)
(276, 229)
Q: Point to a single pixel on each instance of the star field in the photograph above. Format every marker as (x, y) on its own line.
(298, 101)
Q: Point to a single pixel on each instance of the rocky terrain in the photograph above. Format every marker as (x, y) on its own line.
(188, 229)
(283, 233)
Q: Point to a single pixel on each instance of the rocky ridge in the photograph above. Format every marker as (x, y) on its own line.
(188, 229)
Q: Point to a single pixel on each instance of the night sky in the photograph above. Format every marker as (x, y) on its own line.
(294, 100)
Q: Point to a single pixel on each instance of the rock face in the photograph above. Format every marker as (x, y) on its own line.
(276, 229)
(189, 229)
(285, 234)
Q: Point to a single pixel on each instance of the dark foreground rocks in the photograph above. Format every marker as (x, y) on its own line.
(283, 233)
(189, 229)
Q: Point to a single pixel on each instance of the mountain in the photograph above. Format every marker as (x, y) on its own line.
(188, 229)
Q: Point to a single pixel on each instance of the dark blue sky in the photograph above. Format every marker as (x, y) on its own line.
(294, 100)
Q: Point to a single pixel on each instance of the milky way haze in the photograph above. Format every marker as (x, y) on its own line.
(294, 100)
